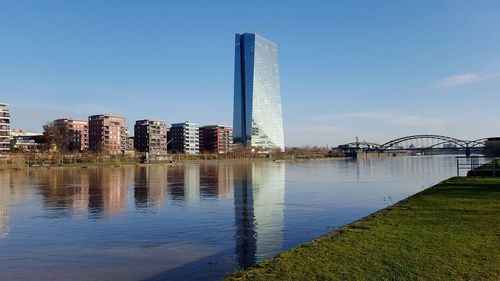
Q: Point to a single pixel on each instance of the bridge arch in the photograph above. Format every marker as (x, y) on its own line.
(478, 142)
(443, 139)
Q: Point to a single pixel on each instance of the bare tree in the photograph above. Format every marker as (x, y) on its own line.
(58, 137)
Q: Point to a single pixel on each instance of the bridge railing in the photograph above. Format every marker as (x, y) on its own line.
(479, 165)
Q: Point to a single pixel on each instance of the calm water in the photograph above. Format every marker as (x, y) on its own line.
(189, 222)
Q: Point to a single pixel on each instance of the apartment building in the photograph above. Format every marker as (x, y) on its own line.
(216, 139)
(107, 133)
(130, 144)
(184, 138)
(79, 132)
(150, 136)
(4, 129)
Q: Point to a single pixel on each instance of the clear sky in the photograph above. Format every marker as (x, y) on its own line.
(373, 69)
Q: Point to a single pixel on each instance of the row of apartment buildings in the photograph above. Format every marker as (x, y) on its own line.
(108, 133)
(190, 138)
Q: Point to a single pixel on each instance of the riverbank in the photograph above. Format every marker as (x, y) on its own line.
(119, 161)
(447, 232)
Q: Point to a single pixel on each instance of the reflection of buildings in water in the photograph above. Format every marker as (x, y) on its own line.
(114, 187)
(184, 182)
(15, 185)
(108, 189)
(150, 188)
(259, 199)
(192, 182)
(81, 192)
(175, 181)
(64, 191)
(225, 180)
(4, 204)
(216, 180)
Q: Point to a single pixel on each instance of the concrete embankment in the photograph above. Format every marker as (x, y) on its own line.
(447, 232)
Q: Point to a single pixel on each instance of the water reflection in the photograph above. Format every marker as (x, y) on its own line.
(140, 222)
(150, 187)
(64, 191)
(4, 208)
(216, 180)
(107, 191)
(259, 200)
(14, 187)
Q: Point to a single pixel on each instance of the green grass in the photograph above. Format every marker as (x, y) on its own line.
(448, 232)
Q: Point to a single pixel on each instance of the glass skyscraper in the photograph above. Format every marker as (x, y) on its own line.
(257, 118)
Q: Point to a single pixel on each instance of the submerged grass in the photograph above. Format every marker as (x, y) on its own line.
(448, 232)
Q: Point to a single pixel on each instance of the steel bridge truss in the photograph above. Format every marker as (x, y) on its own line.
(432, 142)
(420, 142)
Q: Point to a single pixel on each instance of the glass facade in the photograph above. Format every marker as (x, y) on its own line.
(257, 117)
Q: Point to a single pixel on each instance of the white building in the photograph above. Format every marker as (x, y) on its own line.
(184, 138)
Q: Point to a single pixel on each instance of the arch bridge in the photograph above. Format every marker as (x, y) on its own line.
(421, 143)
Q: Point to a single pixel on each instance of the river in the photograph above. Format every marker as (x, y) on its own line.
(190, 221)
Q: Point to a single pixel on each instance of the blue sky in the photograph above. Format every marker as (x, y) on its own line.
(373, 69)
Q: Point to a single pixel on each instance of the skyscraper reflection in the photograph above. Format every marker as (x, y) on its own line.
(259, 199)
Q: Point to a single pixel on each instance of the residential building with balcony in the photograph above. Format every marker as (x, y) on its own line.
(151, 136)
(4, 129)
(130, 144)
(26, 141)
(184, 138)
(107, 133)
(216, 139)
(79, 133)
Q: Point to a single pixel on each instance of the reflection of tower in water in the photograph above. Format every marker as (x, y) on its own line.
(259, 199)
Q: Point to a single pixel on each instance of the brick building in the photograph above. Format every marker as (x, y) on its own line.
(130, 144)
(216, 139)
(79, 130)
(150, 136)
(107, 133)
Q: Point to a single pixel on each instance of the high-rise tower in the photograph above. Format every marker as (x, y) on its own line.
(257, 117)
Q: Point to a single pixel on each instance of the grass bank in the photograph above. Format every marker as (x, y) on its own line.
(448, 232)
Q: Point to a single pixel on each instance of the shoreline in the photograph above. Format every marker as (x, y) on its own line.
(421, 236)
(166, 163)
